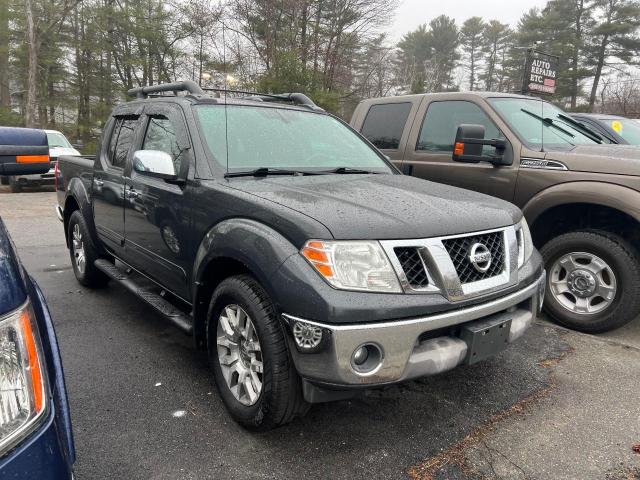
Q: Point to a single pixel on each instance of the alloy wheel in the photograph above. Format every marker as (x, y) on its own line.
(240, 354)
(78, 249)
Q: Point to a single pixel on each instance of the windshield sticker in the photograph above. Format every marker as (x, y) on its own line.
(616, 126)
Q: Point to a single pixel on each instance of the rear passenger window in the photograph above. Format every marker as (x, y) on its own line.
(441, 123)
(114, 139)
(121, 139)
(385, 123)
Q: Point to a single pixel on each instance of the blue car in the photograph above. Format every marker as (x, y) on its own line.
(36, 440)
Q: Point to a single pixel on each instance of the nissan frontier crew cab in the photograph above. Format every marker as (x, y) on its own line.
(580, 195)
(291, 250)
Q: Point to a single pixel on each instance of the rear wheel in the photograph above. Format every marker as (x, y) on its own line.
(592, 281)
(84, 253)
(14, 185)
(248, 354)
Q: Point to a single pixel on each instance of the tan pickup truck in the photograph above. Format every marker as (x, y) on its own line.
(580, 196)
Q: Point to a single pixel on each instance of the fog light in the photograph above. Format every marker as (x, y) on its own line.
(367, 359)
(307, 336)
(360, 356)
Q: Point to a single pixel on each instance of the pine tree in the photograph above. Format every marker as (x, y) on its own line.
(471, 37)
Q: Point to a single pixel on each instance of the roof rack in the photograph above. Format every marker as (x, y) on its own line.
(295, 98)
(194, 89)
(183, 86)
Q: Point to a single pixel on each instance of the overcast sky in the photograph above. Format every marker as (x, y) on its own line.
(413, 13)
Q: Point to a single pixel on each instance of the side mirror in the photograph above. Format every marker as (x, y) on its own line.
(23, 151)
(155, 163)
(469, 142)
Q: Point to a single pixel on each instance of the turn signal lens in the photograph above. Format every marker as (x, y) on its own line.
(352, 265)
(458, 149)
(23, 394)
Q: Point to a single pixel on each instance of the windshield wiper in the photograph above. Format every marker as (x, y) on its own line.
(348, 170)
(549, 122)
(265, 171)
(581, 126)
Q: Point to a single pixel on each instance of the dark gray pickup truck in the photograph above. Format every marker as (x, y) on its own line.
(292, 250)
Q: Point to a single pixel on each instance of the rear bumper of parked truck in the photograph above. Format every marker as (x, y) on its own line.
(36, 179)
(414, 347)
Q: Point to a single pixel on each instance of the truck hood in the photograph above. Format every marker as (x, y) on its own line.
(619, 159)
(383, 207)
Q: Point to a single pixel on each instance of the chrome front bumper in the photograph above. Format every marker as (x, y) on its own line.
(404, 354)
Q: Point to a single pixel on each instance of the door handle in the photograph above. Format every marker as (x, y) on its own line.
(98, 182)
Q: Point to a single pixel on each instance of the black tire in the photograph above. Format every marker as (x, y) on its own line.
(280, 399)
(91, 277)
(625, 265)
(4, 180)
(14, 185)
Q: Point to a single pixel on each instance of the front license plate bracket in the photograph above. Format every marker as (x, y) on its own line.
(486, 338)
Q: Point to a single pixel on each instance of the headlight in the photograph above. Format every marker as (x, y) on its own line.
(525, 244)
(23, 395)
(352, 265)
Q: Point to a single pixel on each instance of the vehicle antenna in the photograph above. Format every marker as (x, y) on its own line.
(226, 120)
(542, 125)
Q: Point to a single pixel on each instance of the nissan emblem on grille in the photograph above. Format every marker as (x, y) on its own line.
(480, 257)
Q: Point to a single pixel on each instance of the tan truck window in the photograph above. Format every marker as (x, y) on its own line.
(385, 123)
(442, 120)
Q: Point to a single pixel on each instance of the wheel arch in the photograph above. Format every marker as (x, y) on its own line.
(583, 206)
(77, 198)
(229, 248)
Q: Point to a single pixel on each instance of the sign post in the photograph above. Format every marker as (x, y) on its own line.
(540, 73)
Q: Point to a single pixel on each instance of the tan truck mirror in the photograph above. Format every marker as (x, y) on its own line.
(469, 142)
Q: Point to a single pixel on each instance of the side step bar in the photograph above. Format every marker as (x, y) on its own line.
(162, 306)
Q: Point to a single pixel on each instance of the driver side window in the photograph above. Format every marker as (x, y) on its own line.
(161, 136)
(441, 124)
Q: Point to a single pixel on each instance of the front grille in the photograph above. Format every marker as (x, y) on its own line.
(411, 263)
(460, 248)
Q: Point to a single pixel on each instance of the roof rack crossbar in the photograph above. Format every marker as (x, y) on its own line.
(183, 86)
(295, 98)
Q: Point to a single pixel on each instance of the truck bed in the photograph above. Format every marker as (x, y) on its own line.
(70, 167)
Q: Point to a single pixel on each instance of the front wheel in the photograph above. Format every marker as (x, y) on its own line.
(592, 281)
(248, 354)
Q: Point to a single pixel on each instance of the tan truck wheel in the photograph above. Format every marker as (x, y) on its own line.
(592, 281)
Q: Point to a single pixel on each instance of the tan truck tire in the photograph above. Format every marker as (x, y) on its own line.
(593, 280)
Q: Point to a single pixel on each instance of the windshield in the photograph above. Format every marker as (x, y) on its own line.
(57, 139)
(540, 125)
(626, 128)
(265, 137)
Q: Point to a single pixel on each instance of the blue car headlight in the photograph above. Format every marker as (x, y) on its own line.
(23, 391)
